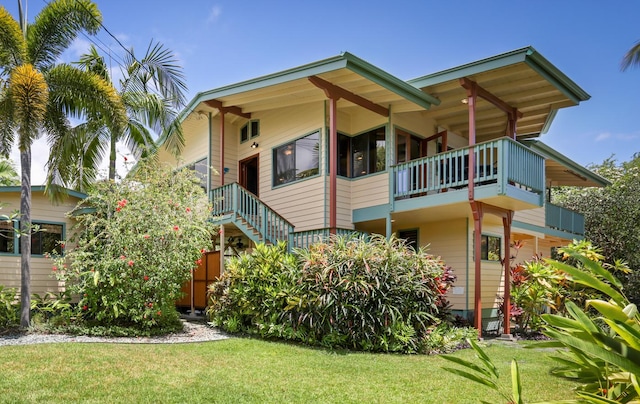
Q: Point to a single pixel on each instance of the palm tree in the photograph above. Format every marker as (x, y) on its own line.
(632, 57)
(152, 90)
(37, 95)
(8, 174)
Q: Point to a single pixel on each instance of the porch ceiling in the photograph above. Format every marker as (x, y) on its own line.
(293, 87)
(522, 78)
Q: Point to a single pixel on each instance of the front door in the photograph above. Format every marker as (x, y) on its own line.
(249, 174)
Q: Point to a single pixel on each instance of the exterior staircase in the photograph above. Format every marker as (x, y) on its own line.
(233, 204)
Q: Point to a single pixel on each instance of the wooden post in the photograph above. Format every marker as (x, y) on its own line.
(333, 163)
(506, 309)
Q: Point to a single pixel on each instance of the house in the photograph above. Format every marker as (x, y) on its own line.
(53, 225)
(450, 160)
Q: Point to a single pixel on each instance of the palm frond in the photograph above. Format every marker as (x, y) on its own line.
(8, 174)
(7, 132)
(632, 57)
(12, 43)
(94, 62)
(56, 26)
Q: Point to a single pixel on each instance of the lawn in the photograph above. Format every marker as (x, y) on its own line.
(247, 370)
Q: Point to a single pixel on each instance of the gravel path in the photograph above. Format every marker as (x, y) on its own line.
(194, 331)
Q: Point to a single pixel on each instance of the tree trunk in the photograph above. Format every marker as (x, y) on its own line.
(112, 159)
(25, 239)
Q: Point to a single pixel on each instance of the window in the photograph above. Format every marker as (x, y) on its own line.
(45, 240)
(411, 236)
(490, 248)
(408, 147)
(296, 160)
(200, 168)
(363, 154)
(7, 237)
(250, 130)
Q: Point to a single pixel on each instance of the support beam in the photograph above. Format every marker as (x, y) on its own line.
(333, 164)
(476, 209)
(508, 109)
(231, 109)
(507, 219)
(472, 98)
(333, 91)
(222, 147)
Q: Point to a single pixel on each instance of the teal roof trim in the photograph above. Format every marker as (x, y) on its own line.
(526, 55)
(41, 188)
(548, 152)
(344, 60)
(547, 231)
(549, 121)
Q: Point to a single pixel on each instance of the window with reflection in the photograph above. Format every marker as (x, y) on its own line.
(362, 154)
(296, 160)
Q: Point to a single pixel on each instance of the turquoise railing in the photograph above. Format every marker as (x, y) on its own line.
(233, 199)
(559, 218)
(502, 161)
(303, 239)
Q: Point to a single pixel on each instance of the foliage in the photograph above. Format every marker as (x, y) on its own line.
(38, 94)
(151, 90)
(601, 347)
(8, 174)
(366, 294)
(445, 338)
(137, 243)
(9, 308)
(611, 215)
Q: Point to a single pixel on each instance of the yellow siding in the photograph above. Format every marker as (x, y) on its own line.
(415, 122)
(344, 208)
(41, 210)
(447, 240)
(531, 216)
(370, 191)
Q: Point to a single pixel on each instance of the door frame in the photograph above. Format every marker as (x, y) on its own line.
(242, 172)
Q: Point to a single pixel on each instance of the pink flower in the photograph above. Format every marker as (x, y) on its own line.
(122, 257)
(159, 313)
(146, 278)
(198, 261)
(85, 307)
(176, 228)
(146, 236)
(61, 245)
(130, 263)
(188, 209)
(55, 268)
(117, 209)
(203, 251)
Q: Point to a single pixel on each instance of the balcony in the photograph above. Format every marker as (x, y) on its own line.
(506, 174)
(562, 219)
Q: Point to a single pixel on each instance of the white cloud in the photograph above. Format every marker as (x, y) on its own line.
(603, 136)
(214, 14)
(625, 137)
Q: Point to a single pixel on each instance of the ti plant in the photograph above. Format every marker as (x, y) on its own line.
(599, 347)
(487, 374)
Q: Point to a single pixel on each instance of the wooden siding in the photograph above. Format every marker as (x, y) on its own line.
(41, 210)
(370, 191)
(446, 239)
(344, 202)
(531, 216)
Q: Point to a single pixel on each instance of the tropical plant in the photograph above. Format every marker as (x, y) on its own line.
(600, 347)
(37, 94)
(8, 174)
(351, 292)
(9, 307)
(138, 241)
(152, 90)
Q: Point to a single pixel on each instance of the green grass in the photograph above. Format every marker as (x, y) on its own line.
(246, 370)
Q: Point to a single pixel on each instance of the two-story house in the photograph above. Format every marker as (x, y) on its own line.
(450, 160)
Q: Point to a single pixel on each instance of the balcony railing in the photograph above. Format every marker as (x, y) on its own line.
(563, 219)
(303, 239)
(502, 162)
(232, 199)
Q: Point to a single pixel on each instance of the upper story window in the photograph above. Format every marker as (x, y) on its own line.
(363, 154)
(296, 160)
(200, 168)
(411, 237)
(409, 147)
(7, 237)
(250, 130)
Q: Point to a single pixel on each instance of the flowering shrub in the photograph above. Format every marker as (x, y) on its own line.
(136, 246)
(365, 294)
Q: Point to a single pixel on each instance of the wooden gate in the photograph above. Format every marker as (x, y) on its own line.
(196, 290)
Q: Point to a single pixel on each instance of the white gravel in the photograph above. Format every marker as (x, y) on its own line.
(194, 331)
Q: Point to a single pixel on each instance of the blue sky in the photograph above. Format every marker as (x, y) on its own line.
(223, 42)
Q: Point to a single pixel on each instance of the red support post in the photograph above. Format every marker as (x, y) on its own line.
(333, 163)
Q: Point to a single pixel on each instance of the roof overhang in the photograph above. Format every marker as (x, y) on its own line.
(522, 78)
(293, 87)
(42, 189)
(562, 171)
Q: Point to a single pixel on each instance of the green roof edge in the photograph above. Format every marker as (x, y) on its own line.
(527, 55)
(566, 161)
(344, 60)
(37, 188)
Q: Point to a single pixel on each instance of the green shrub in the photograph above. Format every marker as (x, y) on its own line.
(137, 242)
(366, 294)
(9, 308)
